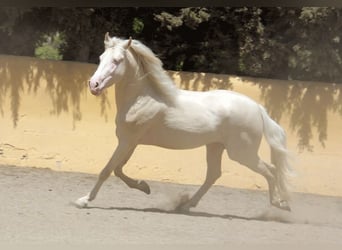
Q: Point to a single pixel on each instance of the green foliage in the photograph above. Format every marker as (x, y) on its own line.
(191, 17)
(195, 39)
(49, 47)
(295, 43)
(286, 43)
(138, 25)
(48, 52)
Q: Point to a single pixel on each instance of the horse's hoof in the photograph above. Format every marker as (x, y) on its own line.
(143, 186)
(184, 205)
(82, 202)
(283, 204)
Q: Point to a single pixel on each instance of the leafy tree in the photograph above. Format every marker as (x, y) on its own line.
(19, 29)
(286, 43)
(49, 48)
(293, 43)
(196, 39)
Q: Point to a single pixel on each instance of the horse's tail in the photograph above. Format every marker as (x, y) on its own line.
(280, 158)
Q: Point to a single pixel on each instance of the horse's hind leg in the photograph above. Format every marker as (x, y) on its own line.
(214, 156)
(248, 157)
(271, 176)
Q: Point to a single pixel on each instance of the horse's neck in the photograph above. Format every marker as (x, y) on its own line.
(136, 103)
(165, 88)
(125, 93)
(130, 90)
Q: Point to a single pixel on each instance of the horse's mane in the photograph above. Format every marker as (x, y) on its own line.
(150, 67)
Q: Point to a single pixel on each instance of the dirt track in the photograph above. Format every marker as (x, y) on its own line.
(36, 208)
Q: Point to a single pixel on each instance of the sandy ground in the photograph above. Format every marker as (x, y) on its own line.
(37, 209)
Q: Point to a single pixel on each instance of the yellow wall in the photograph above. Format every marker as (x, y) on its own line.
(49, 119)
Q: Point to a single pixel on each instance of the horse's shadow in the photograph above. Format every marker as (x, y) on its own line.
(261, 217)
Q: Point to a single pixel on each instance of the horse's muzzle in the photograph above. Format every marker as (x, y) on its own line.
(95, 92)
(94, 89)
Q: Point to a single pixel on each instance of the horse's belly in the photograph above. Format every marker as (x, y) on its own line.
(177, 139)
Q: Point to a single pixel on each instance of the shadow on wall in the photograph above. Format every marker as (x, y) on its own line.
(305, 104)
(201, 81)
(64, 82)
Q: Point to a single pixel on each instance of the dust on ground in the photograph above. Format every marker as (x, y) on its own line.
(36, 209)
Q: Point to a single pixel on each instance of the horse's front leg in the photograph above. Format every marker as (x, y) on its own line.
(121, 155)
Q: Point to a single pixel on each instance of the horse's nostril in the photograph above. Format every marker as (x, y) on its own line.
(96, 84)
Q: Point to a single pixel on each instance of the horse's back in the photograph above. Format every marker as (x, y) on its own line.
(233, 107)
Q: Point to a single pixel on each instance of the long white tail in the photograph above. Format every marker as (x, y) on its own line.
(276, 138)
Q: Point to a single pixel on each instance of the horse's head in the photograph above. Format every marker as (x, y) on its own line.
(112, 64)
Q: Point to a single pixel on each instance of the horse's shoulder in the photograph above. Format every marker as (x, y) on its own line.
(144, 109)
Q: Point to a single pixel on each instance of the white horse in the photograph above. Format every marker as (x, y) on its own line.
(151, 110)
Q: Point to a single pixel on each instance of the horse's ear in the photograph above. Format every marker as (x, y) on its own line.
(129, 43)
(107, 37)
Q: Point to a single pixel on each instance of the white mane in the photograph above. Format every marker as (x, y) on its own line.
(150, 66)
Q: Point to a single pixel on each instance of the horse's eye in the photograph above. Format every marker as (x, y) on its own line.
(117, 61)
